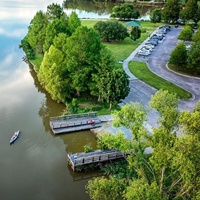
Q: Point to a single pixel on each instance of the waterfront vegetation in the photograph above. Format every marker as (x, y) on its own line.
(120, 51)
(48, 49)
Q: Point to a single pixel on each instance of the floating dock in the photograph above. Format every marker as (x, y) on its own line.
(76, 122)
(78, 160)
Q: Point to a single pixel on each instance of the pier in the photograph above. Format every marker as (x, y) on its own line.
(77, 161)
(76, 122)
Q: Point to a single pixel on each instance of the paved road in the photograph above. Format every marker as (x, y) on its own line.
(157, 62)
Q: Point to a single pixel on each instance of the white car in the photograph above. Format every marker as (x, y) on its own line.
(144, 52)
(147, 48)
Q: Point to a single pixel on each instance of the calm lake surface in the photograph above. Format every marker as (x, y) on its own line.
(35, 166)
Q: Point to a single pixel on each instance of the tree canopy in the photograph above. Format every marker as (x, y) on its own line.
(186, 33)
(156, 15)
(169, 171)
(111, 31)
(190, 11)
(135, 33)
(74, 58)
(171, 11)
(125, 11)
(179, 55)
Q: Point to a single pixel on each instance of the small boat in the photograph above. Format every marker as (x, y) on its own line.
(14, 137)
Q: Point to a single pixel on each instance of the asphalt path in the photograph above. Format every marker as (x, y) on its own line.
(157, 63)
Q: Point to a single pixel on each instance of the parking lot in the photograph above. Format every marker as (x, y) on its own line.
(157, 61)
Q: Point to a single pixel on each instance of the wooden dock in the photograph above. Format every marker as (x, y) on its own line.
(76, 122)
(78, 160)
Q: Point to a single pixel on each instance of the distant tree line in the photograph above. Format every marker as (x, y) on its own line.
(174, 11)
(74, 60)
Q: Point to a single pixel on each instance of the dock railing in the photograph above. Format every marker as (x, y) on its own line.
(73, 116)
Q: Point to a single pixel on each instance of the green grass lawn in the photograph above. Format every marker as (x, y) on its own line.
(141, 71)
(122, 49)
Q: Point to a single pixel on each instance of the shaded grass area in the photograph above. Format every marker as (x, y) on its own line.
(182, 70)
(141, 71)
(37, 62)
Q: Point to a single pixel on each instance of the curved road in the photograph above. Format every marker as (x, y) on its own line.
(157, 62)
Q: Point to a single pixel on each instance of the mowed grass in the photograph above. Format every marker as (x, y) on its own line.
(122, 49)
(141, 71)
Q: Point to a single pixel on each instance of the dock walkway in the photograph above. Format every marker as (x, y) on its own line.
(77, 122)
(79, 160)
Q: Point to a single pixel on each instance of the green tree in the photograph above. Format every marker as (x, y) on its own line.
(125, 11)
(105, 189)
(105, 63)
(179, 55)
(190, 11)
(171, 11)
(135, 33)
(37, 31)
(186, 33)
(196, 37)
(172, 170)
(194, 59)
(73, 22)
(82, 53)
(52, 30)
(110, 30)
(113, 86)
(29, 51)
(54, 11)
(53, 74)
(156, 15)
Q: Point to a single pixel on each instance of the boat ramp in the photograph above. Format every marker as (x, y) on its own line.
(78, 161)
(77, 122)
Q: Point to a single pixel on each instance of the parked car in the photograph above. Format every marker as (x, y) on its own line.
(150, 46)
(147, 47)
(152, 42)
(145, 51)
(157, 37)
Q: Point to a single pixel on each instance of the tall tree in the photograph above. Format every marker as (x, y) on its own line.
(186, 33)
(53, 74)
(125, 11)
(54, 11)
(194, 59)
(82, 53)
(196, 37)
(73, 22)
(52, 30)
(113, 86)
(190, 11)
(111, 31)
(135, 33)
(179, 55)
(105, 63)
(156, 15)
(171, 11)
(37, 31)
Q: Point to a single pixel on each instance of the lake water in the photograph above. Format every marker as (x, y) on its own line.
(35, 166)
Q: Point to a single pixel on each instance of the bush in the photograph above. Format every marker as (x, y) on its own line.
(179, 55)
(186, 34)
